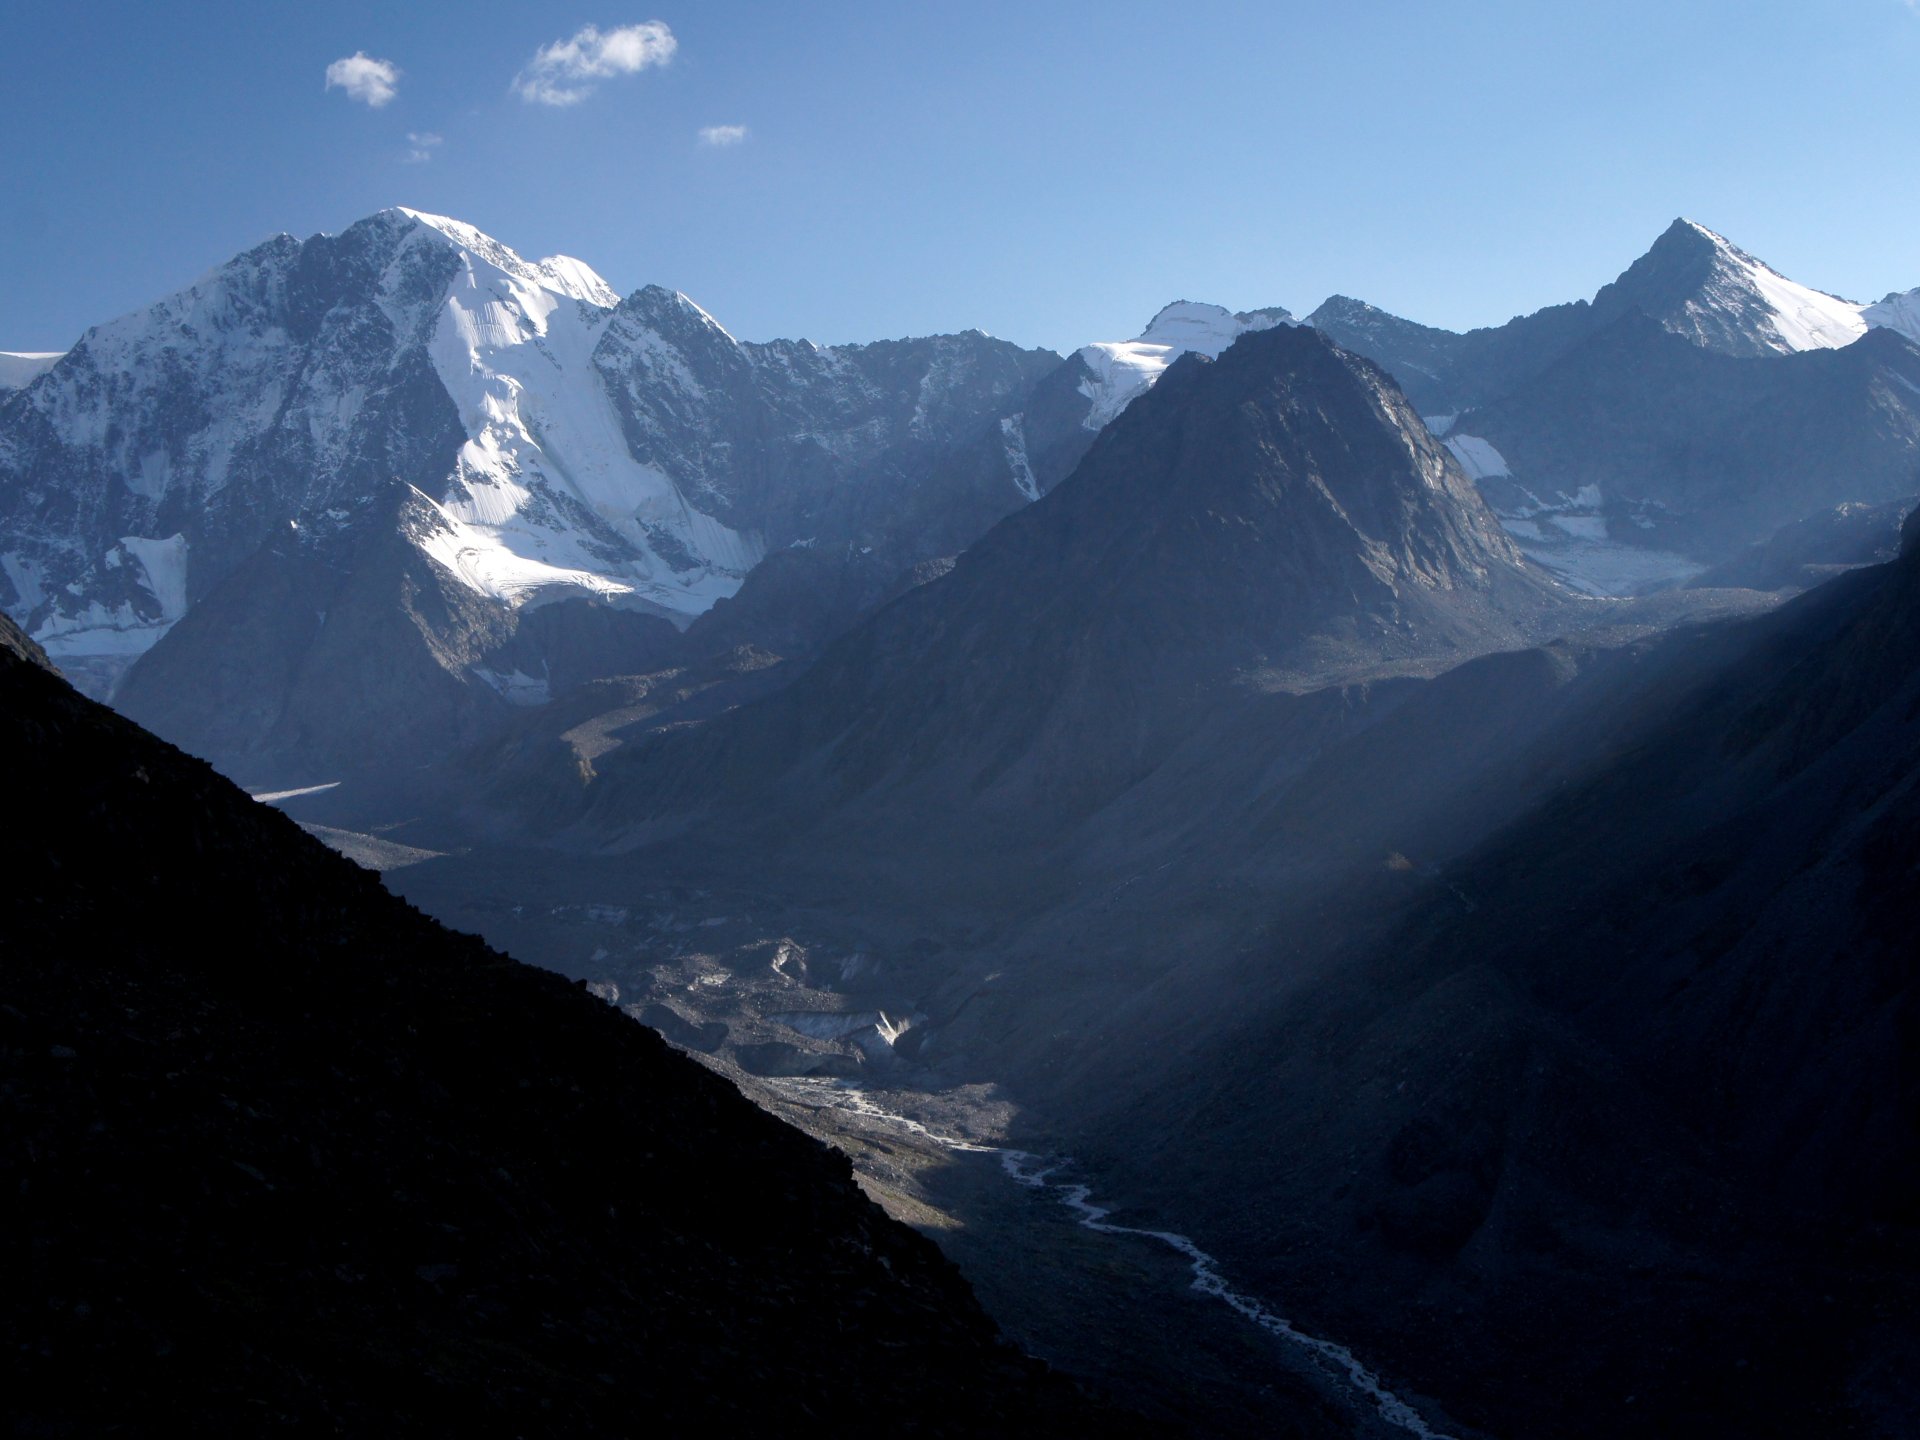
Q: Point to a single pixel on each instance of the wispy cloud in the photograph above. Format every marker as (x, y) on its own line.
(421, 145)
(567, 71)
(364, 78)
(722, 135)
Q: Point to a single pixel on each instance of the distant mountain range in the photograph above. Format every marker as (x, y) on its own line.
(1512, 981)
(473, 438)
(1360, 788)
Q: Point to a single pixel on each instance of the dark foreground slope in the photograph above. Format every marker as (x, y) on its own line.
(1632, 1100)
(283, 1154)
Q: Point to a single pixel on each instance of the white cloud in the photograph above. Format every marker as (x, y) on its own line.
(422, 144)
(567, 71)
(365, 78)
(722, 134)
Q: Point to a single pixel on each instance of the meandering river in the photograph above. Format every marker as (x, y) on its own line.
(1041, 1174)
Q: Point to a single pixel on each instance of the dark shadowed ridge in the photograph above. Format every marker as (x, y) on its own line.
(1629, 1099)
(282, 1154)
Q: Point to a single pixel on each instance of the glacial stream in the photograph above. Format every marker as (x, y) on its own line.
(1034, 1173)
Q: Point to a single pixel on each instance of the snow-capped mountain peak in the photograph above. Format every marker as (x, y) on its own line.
(1803, 318)
(1702, 286)
(1899, 312)
(1120, 371)
(521, 431)
(561, 274)
(290, 382)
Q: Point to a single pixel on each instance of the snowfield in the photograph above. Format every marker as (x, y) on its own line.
(1123, 370)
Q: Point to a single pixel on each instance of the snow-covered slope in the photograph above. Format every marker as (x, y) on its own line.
(20, 368)
(1802, 318)
(544, 493)
(1702, 286)
(1120, 371)
(1898, 312)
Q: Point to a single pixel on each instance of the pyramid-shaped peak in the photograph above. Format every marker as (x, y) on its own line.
(1702, 286)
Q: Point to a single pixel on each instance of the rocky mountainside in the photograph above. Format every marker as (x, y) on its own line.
(1618, 440)
(555, 442)
(1552, 1009)
(1275, 518)
(1638, 445)
(1707, 290)
(1180, 845)
(285, 1155)
(1442, 371)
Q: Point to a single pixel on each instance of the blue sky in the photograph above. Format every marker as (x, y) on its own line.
(1050, 171)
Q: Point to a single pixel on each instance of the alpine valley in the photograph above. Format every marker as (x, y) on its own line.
(1357, 879)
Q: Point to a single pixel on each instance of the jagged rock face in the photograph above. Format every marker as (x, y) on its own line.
(279, 1148)
(554, 443)
(798, 442)
(1444, 372)
(1275, 517)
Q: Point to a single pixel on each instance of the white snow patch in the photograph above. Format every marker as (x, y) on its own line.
(1582, 527)
(20, 368)
(517, 359)
(1569, 537)
(1124, 370)
(98, 630)
(1802, 318)
(1900, 313)
(1607, 568)
(163, 565)
(516, 687)
(274, 797)
(1013, 434)
(1477, 457)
